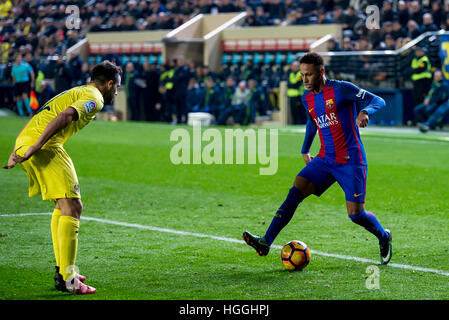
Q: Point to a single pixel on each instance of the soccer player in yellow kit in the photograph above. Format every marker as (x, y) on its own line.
(39, 149)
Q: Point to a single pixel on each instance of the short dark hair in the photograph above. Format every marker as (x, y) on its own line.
(106, 71)
(312, 58)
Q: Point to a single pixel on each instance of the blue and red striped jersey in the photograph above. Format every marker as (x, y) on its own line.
(332, 113)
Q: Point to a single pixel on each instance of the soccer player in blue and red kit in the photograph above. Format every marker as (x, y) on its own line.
(332, 106)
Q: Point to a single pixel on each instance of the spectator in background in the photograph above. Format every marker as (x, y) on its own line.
(167, 97)
(132, 92)
(226, 6)
(256, 100)
(338, 16)
(30, 60)
(415, 12)
(163, 105)
(261, 16)
(211, 98)
(428, 24)
(208, 73)
(5, 8)
(387, 29)
(323, 18)
(199, 76)
(413, 29)
(249, 71)
(181, 78)
(23, 80)
(240, 103)
(277, 11)
(421, 75)
(300, 18)
(445, 25)
(194, 96)
(72, 38)
(291, 5)
(294, 94)
(45, 92)
(75, 64)
(309, 7)
(398, 31)
(63, 75)
(85, 75)
(350, 19)
(438, 94)
(95, 24)
(387, 13)
(336, 63)
(347, 44)
(227, 96)
(251, 21)
(151, 95)
(435, 108)
(402, 14)
(389, 43)
(437, 14)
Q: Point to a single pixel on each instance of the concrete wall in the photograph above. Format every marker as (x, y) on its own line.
(126, 36)
(282, 32)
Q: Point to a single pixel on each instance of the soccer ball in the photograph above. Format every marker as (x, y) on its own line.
(295, 255)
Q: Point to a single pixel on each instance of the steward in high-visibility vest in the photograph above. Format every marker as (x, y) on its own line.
(166, 78)
(166, 85)
(295, 84)
(421, 75)
(421, 68)
(295, 90)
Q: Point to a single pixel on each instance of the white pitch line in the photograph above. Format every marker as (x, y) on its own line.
(202, 235)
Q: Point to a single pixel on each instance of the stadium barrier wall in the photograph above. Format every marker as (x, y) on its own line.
(199, 38)
(393, 113)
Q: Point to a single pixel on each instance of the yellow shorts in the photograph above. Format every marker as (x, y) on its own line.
(51, 173)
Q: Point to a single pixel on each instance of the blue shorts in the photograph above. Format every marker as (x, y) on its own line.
(351, 178)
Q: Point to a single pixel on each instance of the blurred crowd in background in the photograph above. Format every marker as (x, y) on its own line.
(36, 29)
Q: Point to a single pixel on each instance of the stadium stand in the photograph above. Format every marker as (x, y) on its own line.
(37, 29)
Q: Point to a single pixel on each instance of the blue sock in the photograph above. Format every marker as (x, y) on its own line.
(19, 107)
(284, 214)
(26, 102)
(369, 221)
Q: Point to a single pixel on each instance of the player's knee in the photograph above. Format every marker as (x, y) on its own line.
(79, 206)
(76, 208)
(304, 186)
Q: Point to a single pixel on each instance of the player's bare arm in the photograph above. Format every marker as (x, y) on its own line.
(56, 125)
(12, 158)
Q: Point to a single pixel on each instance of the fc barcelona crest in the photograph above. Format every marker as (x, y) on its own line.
(330, 103)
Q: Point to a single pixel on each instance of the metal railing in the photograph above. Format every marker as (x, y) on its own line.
(381, 68)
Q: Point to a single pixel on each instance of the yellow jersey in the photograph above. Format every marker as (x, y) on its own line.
(87, 101)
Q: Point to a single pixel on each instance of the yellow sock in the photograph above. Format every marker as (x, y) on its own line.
(68, 245)
(54, 233)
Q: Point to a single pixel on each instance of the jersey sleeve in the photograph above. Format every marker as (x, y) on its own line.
(366, 100)
(310, 130)
(87, 107)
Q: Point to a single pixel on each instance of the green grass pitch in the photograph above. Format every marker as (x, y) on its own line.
(126, 176)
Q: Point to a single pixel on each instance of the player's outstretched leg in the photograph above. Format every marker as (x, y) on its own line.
(369, 221)
(386, 249)
(258, 243)
(280, 220)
